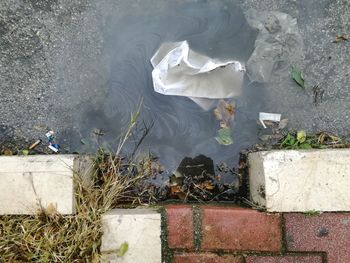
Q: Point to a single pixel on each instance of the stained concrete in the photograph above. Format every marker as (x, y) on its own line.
(139, 228)
(300, 181)
(32, 183)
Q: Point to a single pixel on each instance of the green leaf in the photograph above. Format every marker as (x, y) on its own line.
(305, 146)
(298, 77)
(224, 136)
(25, 152)
(301, 136)
(289, 140)
(82, 141)
(123, 249)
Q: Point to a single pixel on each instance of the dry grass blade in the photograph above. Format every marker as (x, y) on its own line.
(51, 237)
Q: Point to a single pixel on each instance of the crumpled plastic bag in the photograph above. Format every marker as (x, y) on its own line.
(278, 44)
(180, 71)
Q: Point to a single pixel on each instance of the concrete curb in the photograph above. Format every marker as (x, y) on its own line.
(34, 182)
(300, 181)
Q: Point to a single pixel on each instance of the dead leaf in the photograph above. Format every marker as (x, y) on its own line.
(340, 38)
(175, 189)
(8, 152)
(225, 111)
(51, 209)
(208, 185)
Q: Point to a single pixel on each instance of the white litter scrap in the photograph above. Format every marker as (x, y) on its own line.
(264, 116)
(180, 71)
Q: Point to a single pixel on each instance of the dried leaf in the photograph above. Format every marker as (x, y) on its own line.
(225, 111)
(123, 249)
(298, 77)
(301, 136)
(175, 189)
(208, 185)
(8, 152)
(217, 114)
(341, 38)
(51, 209)
(224, 136)
(223, 124)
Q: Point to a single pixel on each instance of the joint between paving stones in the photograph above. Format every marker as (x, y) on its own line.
(167, 253)
(283, 233)
(197, 228)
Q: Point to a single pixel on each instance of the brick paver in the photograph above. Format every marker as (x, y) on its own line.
(180, 226)
(329, 232)
(240, 229)
(207, 258)
(285, 259)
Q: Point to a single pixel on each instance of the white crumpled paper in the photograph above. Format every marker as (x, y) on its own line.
(180, 71)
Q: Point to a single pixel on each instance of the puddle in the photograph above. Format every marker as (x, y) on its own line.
(179, 127)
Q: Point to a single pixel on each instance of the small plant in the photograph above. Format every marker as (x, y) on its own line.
(312, 213)
(298, 141)
(301, 140)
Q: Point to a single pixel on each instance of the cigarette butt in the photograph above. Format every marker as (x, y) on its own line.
(31, 147)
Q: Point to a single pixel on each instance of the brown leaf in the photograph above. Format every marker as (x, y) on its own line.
(175, 189)
(208, 185)
(225, 111)
(340, 38)
(51, 209)
(8, 152)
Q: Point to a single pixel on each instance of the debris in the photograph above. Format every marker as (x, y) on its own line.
(123, 249)
(25, 152)
(301, 136)
(224, 136)
(317, 94)
(54, 147)
(340, 38)
(98, 132)
(263, 116)
(298, 77)
(265, 137)
(283, 124)
(31, 147)
(278, 43)
(180, 71)
(8, 152)
(49, 134)
(225, 111)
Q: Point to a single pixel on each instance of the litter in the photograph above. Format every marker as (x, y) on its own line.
(49, 134)
(264, 116)
(180, 71)
(31, 147)
(53, 148)
(278, 44)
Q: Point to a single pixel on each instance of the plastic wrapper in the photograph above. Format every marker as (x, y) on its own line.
(278, 44)
(180, 71)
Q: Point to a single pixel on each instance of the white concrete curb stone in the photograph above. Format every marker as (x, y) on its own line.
(301, 181)
(28, 183)
(140, 228)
